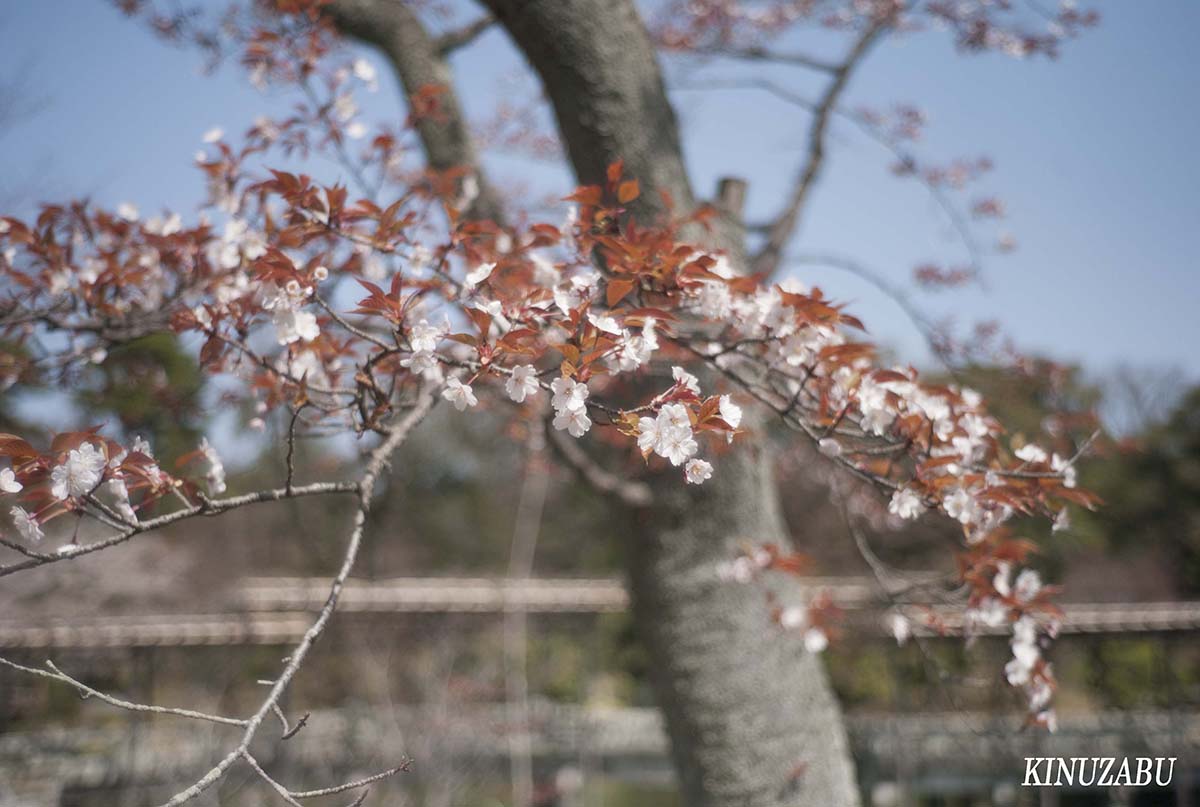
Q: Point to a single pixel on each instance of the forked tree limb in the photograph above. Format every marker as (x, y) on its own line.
(784, 226)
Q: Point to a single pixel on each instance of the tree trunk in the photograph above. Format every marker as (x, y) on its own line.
(751, 717)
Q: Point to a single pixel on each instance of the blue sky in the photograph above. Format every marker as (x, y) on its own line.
(1095, 159)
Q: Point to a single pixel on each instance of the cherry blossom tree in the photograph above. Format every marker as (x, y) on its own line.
(645, 333)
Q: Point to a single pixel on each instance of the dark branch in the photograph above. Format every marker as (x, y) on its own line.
(461, 37)
(629, 492)
(758, 53)
(784, 226)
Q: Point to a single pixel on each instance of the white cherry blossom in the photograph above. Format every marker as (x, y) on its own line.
(1031, 452)
(479, 274)
(569, 395)
(26, 525)
(79, 474)
(8, 482)
(522, 383)
(215, 474)
(907, 504)
(459, 394)
(730, 412)
(574, 421)
(815, 640)
(683, 377)
(697, 471)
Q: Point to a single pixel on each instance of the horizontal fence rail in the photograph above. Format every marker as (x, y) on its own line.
(276, 611)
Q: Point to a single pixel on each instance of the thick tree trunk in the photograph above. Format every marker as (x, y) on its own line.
(750, 713)
(751, 717)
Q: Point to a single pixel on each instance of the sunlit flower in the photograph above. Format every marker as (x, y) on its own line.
(697, 471)
(604, 323)
(730, 412)
(574, 421)
(676, 444)
(961, 506)
(522, 383)
(815, 640)
(1031, 452)
(364, 71)
(686, 379)
(479, 274)
(459, 394)
(1062, 521)
(80, 474)
(792, 617)
(8, 482)
(907, 504)
(215, 475)
(120, 493)
(569, 395)
(26, 525)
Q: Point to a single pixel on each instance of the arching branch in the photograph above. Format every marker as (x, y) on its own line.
(780, 231)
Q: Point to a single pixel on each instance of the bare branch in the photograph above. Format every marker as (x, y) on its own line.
(330, 791)
(55, 674)
(952, 212)
(629, 492)
(784, 226)
(758, 53)
(420, 63)
(377, 461)
(461, 37)
(209, 507)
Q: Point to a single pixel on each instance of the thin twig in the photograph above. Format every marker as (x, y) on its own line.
(55, 674)
(377, 461)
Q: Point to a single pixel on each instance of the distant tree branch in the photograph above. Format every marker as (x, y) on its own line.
(758, 53)
(780, 231)
(628, 491)
(461, 37)
(955, 216)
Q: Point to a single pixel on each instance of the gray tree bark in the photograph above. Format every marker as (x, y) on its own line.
(751, 717)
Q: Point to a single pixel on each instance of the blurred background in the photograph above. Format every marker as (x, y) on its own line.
(486, 649)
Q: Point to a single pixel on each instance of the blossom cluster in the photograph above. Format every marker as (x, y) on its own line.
(89, 475)
(343, 308)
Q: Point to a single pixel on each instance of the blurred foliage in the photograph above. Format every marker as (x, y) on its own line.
(152, 386)
(1152, 493)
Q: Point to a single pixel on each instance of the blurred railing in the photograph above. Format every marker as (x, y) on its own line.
(275, 611)
(919, 750)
